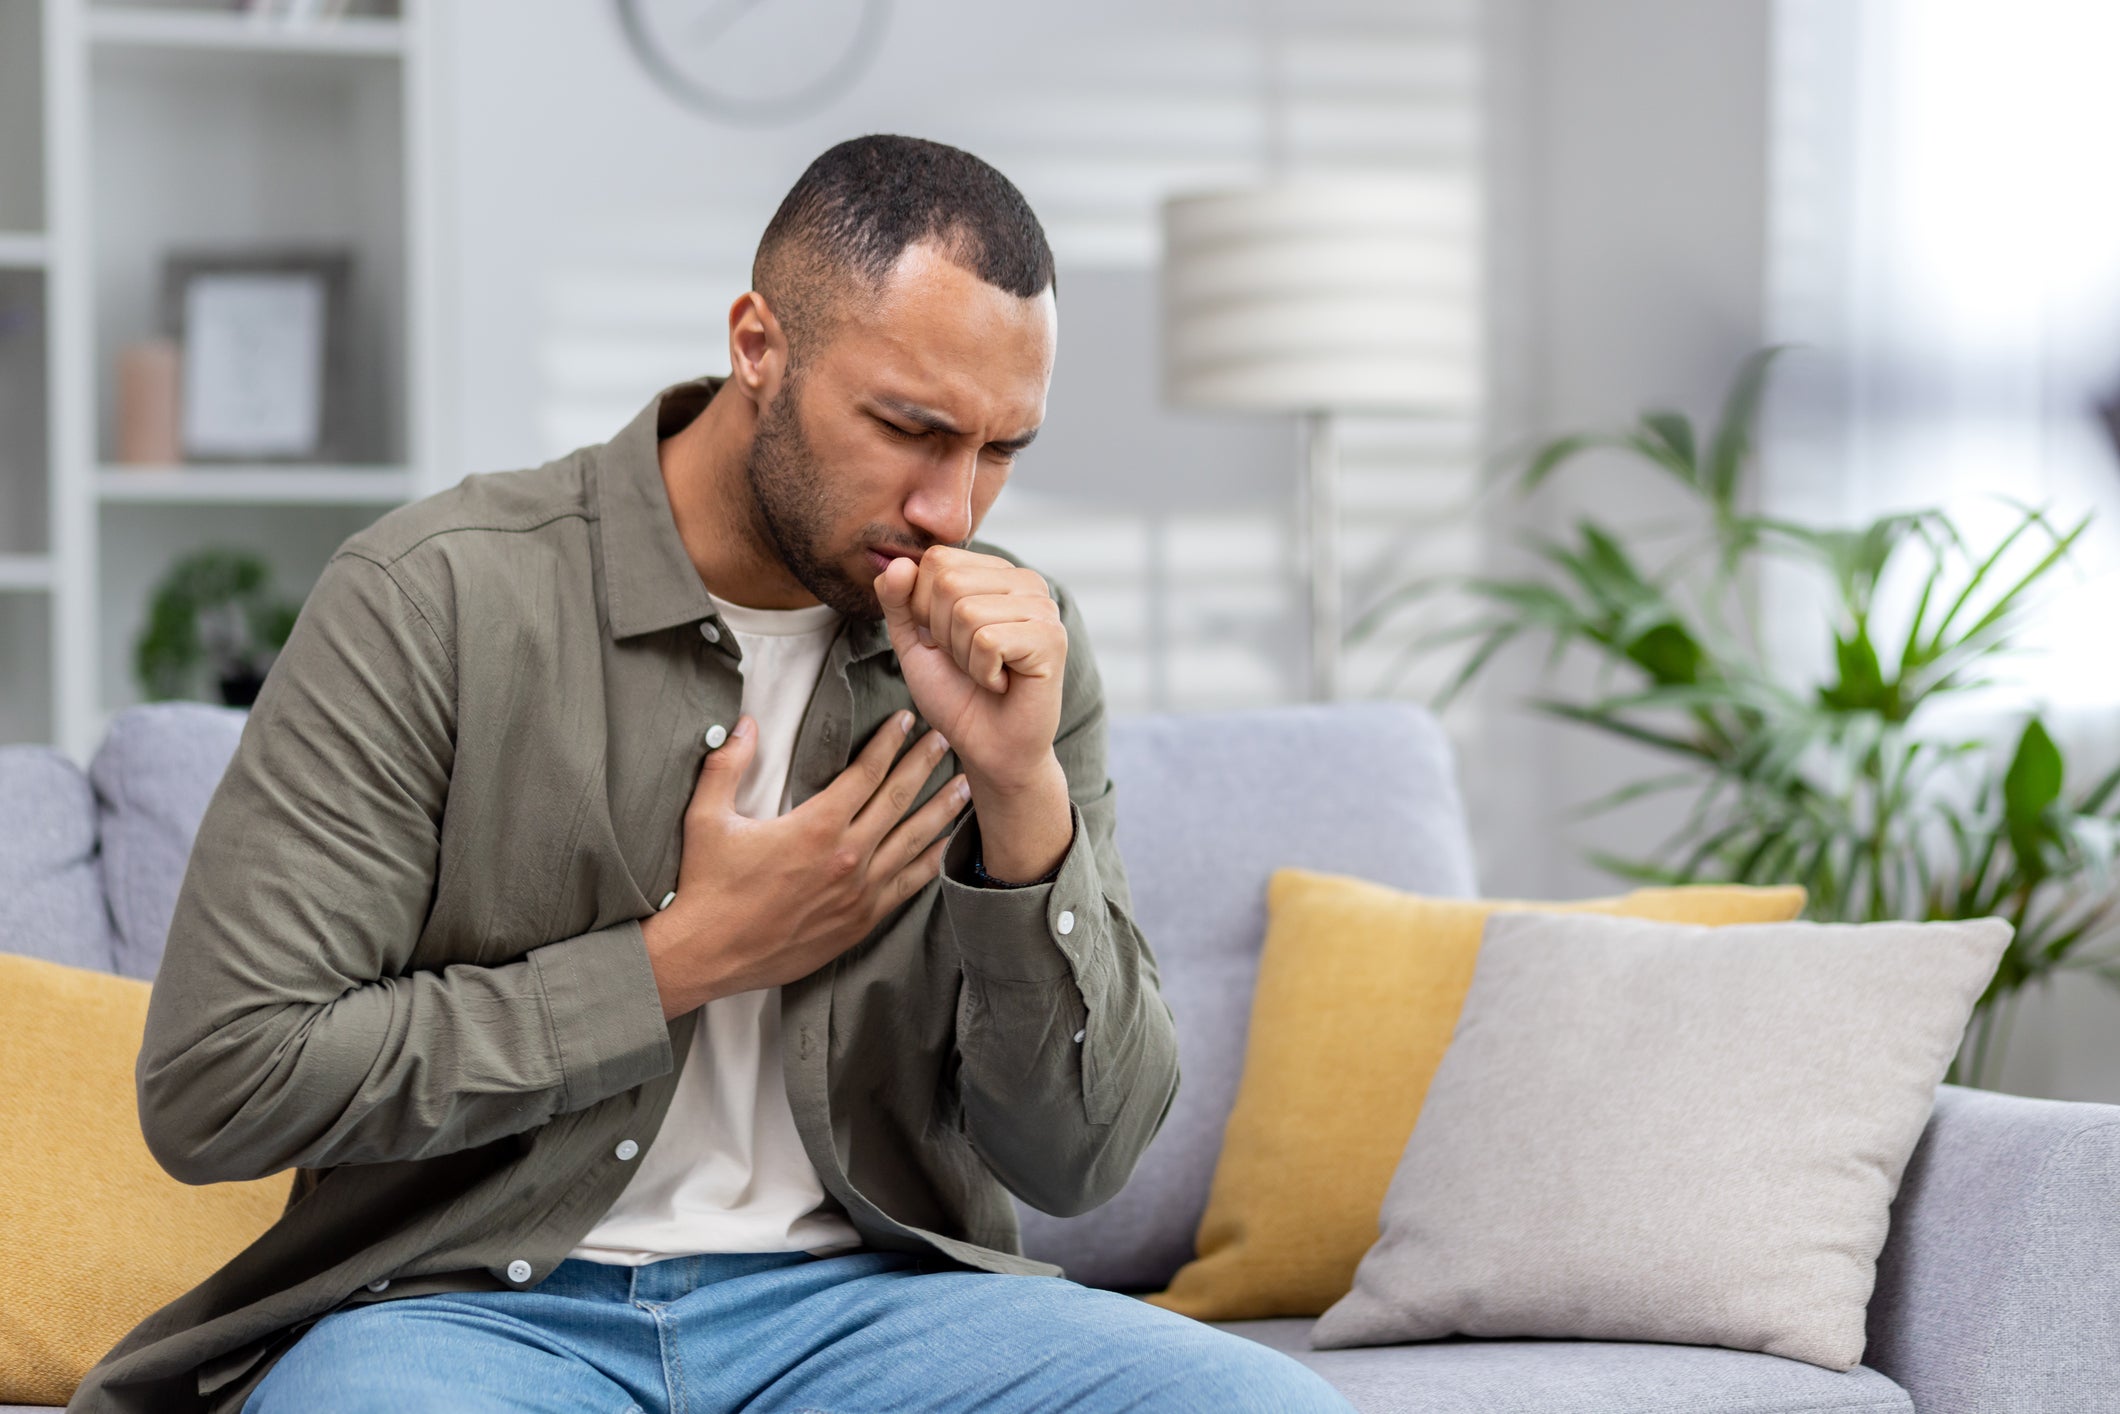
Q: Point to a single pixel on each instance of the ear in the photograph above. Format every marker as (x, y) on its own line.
(758, 348)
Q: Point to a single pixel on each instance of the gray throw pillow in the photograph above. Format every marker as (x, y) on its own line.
(1652, 1131)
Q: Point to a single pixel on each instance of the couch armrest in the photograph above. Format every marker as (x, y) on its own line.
(1998, 1291)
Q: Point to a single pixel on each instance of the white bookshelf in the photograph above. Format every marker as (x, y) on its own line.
(25, 573)
(187, 125)
(28, 704)
(21, 250)
(182, 27)
(255, 486)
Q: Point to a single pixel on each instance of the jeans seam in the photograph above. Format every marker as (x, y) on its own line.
(672, 1359)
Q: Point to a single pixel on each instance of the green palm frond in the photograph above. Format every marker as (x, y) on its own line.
(1843, 782)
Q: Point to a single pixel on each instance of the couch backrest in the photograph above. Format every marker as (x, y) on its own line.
(51, 881)
(1209, 806)
(154, 774)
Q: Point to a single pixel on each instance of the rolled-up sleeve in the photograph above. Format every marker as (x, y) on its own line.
(1068, 1054)
(289, 1024)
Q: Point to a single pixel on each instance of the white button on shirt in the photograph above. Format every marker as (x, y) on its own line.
(1066, 922)
(627, 1148)
(518, 1270)
(379, 1284)
(710, 633)
(717, 734)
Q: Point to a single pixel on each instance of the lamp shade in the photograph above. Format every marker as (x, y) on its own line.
(1345, 295)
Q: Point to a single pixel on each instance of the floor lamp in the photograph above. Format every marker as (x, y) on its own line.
(1319, 298)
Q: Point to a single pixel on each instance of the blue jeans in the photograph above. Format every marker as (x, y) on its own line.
(778, 1331)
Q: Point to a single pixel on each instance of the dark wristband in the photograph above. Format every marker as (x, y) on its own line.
(987, 881)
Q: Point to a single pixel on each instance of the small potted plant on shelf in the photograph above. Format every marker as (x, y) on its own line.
(214, 614)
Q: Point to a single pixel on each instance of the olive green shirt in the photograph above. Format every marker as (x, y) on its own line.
(407, 961)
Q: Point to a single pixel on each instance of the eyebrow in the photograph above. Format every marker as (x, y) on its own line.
(933, 421)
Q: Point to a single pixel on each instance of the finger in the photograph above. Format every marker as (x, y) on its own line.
(1023, 647)
(898, 792)
(950, 581)
(851, 788)
(918, 830)
(908, 881)
(894, 591)
(724, 768)
(979, 611)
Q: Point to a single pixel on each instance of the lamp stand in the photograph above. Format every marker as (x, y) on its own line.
(1318, 512)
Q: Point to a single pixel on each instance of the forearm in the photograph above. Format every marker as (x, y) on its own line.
(1067, 1054)
(1031, 1086)
(683, 976)
(1024, 830)
(1069, 1057)
(403, 1067)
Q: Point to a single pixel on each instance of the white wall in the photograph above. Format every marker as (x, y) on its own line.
(1630, 187)
(1632, 267)
(599, 230)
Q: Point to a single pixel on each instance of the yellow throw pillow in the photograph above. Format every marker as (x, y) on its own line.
(96, 1236)
(1358, 993)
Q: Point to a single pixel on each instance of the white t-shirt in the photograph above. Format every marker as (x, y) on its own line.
(727, 1171)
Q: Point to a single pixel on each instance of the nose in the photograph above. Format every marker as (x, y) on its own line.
(941, 503)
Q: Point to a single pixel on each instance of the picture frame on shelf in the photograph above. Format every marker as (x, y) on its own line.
(262, 334)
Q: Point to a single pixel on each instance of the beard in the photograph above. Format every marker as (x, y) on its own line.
(794, 508)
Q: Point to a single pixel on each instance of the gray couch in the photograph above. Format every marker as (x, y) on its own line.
(1999, 1292)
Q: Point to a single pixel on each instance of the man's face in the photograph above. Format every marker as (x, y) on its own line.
(899, 431)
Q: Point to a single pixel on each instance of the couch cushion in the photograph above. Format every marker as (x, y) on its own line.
(1999, 1288)
(96, 1235)
(155, 771)
(1656, 1131)
(51, 882)
(1208, 807)
(1358, 997)
(1553, 1376)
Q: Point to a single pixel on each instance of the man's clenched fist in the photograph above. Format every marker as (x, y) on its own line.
(984, 653)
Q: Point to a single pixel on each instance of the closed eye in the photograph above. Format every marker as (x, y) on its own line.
(911, 434)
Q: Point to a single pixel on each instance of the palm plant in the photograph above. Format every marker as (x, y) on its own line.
(1846, 783)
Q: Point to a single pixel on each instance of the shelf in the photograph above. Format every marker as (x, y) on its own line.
(175, 126)
(219, 149)
(25, 572)
(212, 30)
(255, 486)
(22, 250)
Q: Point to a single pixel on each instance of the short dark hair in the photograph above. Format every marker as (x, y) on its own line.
(856, 209)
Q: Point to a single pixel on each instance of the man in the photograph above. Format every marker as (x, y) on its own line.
(657, 1016)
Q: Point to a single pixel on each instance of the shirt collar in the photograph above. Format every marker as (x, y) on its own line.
(650, 582)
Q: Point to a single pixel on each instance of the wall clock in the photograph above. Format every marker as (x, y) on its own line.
(755, 61)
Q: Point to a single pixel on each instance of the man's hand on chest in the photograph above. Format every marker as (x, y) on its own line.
(760, 903)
